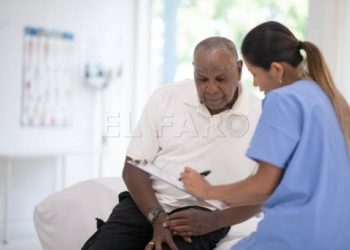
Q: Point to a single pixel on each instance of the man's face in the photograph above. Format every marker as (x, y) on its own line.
(216, 75)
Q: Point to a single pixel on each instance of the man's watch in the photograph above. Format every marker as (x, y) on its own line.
(153, 214)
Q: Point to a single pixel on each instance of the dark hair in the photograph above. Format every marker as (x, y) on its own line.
(217, 42)
(272, 42)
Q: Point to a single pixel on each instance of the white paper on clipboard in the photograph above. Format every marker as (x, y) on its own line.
(174, 181)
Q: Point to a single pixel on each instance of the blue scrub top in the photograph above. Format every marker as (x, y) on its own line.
(310, 209)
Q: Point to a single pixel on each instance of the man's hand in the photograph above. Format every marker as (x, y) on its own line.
(191, 222)
(161, 235)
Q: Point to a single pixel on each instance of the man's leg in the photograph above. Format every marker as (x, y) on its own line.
(127, 228)
(203, 242)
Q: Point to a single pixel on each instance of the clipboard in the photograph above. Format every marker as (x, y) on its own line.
(172, 180)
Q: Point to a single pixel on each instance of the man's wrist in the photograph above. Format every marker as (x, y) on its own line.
(161, 218)
(154, 213)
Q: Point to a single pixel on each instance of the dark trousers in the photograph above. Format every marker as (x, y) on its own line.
(128, 229)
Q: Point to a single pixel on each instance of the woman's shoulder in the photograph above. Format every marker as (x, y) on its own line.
(303, 94)
(298, 87)
(301, 90)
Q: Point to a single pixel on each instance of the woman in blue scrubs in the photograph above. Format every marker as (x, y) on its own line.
(302, 146)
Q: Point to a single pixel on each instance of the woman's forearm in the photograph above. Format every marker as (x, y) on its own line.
(256, 189)
(243, 193)
(235, 215)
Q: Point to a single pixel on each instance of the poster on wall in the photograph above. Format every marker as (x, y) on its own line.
(48, 77)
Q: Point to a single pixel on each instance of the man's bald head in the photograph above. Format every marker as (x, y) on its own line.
(216, 42)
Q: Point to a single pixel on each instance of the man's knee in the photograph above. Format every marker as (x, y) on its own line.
(183, 245)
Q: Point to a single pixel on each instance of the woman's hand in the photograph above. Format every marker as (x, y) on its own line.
(195, 183)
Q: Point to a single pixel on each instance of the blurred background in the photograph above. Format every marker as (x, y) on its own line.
(75, 75)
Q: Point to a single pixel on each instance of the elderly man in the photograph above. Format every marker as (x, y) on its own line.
(206, 124)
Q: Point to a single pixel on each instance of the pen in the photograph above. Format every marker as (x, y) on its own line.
(143, 162)
(205, 173)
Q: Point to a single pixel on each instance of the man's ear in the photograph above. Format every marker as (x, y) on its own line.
(193, 63)
(239, 69)
(277, 70)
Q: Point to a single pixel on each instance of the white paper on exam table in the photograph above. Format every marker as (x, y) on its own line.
(174, 181)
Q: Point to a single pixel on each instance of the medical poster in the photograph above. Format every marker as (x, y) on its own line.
(48, 77)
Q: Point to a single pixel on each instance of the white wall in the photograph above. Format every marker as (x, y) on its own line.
(345, 74)
(34, 179)
(328, 28)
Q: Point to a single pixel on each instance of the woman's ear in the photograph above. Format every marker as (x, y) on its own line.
(277, 70)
